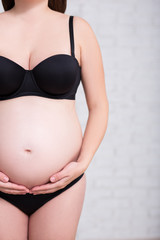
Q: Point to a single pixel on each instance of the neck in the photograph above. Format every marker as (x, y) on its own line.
(32, 8)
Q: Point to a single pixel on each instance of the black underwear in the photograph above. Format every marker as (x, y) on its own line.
(29, 203)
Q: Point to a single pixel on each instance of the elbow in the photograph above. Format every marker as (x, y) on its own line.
(101, 106)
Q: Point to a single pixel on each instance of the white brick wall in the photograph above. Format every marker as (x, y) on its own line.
(123, 181)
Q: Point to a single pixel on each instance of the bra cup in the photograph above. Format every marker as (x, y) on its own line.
(56, 76)
(11, 78)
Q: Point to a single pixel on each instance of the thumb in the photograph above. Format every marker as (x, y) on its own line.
(3, 177)
(57, 176)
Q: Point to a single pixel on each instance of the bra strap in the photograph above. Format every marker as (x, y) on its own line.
(71, 35)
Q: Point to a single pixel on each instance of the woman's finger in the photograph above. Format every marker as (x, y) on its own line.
(59, 175)
(14, 192)
(48, 191)
(18, 187)
(3, 178)
(51, 188)
(13, 186)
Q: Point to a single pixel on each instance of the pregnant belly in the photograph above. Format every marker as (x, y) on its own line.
(36, 144)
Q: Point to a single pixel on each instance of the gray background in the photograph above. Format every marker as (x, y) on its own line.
(122, 198)
(123, 180)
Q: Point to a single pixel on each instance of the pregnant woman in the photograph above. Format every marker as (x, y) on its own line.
(44, 54)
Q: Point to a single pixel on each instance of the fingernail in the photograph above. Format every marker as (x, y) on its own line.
(52, 179)
(6, 178)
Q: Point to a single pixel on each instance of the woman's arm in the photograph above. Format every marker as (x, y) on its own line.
(92, 76)
(93, 81)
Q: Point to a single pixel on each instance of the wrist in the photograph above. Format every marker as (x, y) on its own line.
(83, 165)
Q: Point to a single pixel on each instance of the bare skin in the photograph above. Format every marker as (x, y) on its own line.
(35, 118)
(40, 136)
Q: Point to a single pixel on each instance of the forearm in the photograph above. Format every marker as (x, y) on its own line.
(95, 130)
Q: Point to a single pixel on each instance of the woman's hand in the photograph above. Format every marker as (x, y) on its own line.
(60, 179)
(11, 188)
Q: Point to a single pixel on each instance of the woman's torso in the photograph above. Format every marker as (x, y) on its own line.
(38, 136)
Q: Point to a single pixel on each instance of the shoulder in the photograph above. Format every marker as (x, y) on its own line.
(83, 29)
(82, 25)
(5, 17)
(84, 33)
(2, 16)
(4, 21)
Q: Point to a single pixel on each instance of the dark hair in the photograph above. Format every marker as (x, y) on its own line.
(56, 5)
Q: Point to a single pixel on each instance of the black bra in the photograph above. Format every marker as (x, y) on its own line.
(56, 77)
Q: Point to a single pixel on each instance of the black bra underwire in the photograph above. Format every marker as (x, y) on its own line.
(56, 77)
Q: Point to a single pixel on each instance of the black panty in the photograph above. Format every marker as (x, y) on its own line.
(29, 203)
